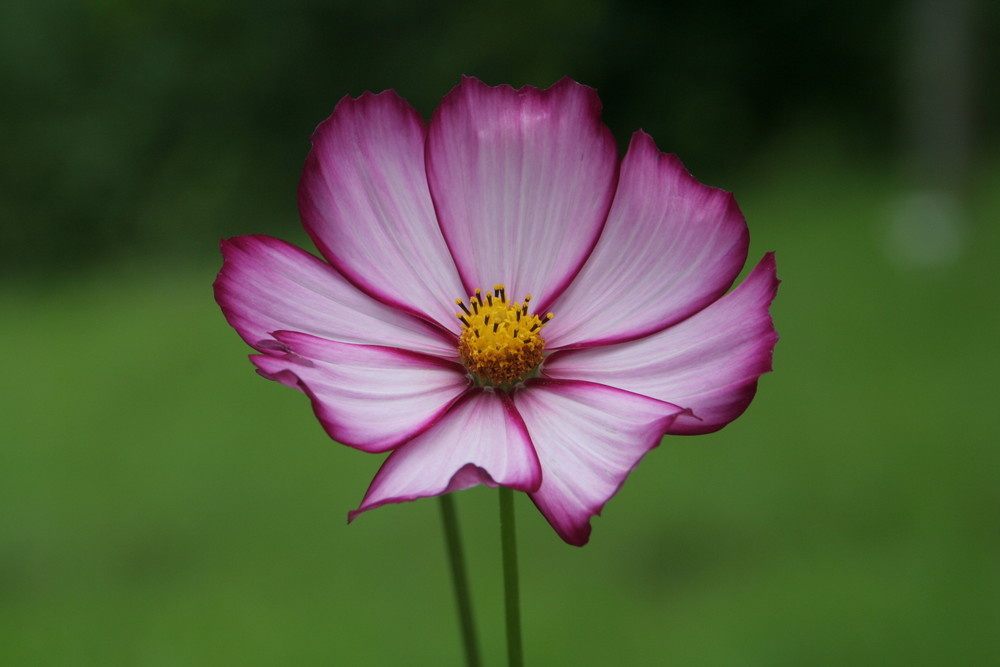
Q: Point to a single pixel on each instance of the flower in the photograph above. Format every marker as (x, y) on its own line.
(410, 337)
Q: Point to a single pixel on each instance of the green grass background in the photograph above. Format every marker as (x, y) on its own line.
(162, 505)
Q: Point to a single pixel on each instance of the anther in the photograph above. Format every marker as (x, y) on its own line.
(494, 359)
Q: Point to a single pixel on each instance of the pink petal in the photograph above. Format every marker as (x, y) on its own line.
(267, 285)
(368, 397)
(482, 440)
(364, 200)
(522, 181)
(709, 363)
(671, 246)
(588, 437)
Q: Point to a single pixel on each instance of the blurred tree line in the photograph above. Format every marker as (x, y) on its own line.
(156, 127)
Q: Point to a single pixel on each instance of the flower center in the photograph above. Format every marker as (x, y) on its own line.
(501, 343)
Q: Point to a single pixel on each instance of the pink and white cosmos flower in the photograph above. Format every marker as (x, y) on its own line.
(408, 338)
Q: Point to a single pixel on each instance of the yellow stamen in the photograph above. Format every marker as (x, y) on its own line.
(501, 344)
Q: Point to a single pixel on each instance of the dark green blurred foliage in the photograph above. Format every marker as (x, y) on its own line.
(136, 127)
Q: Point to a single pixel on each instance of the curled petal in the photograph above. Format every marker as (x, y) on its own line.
(522, 181)
(708, 363)
(367, 397)
(268, 285)
(481, 440)
(671, 246)
(588, 437)
(364, 200)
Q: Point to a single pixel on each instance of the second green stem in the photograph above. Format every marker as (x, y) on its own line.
(508, 545)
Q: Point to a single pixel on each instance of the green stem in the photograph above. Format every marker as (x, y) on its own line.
(508, 545)
(459, 579)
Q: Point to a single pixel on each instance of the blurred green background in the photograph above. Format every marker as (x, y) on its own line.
(160, 505)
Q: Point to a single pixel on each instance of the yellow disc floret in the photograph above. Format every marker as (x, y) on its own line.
(501, 343)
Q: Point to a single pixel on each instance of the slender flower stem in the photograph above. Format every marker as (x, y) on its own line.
(463, 599)
(508, 545)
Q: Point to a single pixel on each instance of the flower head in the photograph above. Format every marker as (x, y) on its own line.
(409, 339)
